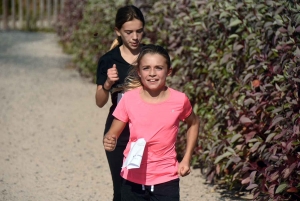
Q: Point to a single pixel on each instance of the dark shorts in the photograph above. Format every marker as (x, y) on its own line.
(168, 191)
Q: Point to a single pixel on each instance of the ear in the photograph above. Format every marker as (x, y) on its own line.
(170, 71)
(117, 31)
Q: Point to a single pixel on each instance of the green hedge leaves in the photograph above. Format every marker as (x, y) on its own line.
(238, 61)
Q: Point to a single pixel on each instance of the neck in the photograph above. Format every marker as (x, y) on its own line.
(155, 96)
(135, 52)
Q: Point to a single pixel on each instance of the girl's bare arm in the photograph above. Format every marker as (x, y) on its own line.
(111, 137)
(102, 95)
(193, 124)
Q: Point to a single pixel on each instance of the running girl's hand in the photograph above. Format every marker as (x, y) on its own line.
(112, 75)
(184, 168)
(109, 142)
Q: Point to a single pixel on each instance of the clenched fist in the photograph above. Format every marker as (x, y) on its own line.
(109, 142)
(184, 168)
(112, 75)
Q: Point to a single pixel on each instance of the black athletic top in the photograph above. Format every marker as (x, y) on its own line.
(106, 62)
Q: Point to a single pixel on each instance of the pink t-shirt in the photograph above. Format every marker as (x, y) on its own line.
(158, 125)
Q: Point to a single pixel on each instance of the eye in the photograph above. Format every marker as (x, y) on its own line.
(140, 31)
(145, 68)
(158, 68)
(128, 32)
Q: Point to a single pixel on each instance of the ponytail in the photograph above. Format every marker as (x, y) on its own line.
(116, 42)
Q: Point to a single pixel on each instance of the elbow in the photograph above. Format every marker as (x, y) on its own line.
(198, 121)
(100, 105)
(99, 102)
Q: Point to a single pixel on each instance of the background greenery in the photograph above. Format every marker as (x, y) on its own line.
(238, 61)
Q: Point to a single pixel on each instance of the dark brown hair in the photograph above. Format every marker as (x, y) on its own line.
(125, 14)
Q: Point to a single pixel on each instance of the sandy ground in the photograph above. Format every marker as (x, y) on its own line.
(51, 130)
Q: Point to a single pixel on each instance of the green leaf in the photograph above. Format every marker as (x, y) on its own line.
(252, 186)
(237, 47)
(281, 188)
(219, 158)
(249, 101)
(296, 79)
(229, 7)
(234, 36)
(270, 136)
(276, 120)
(223, 14)
(196, 23)
(247, 77)
(245, 120)
(235, 137)
(231, 150)
(235, 22)
(255, 146)
(297, 52)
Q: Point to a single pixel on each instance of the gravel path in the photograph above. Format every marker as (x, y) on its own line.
(51, 130)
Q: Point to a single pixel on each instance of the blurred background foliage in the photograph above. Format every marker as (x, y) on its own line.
(238, 61)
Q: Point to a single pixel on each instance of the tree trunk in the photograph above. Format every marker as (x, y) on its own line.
(42, 12)
(13, 13)
(20, 13)
(61, 5)
(49, 12)
(34, 9)
(5, 14)
(55, 11)
(27, 15)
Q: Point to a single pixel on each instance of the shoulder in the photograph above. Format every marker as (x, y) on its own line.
(110, 55)
(132, 93)
(177, 94)
(132, 96)
(178, 97)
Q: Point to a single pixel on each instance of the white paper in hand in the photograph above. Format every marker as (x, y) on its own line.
(135, 154)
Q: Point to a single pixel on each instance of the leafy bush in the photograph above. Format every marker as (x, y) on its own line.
(68, 22)
(238, 61)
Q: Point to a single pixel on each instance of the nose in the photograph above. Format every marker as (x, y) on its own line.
(152, 72)
(135, 36)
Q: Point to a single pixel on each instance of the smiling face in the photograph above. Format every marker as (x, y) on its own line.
(153, 71)
(131, 33)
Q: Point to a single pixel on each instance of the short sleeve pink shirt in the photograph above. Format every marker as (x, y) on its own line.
(158, 124)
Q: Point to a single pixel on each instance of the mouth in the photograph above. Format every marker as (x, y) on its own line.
(152, 80)
(135, 44)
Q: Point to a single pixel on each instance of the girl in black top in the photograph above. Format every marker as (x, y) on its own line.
(113, 67)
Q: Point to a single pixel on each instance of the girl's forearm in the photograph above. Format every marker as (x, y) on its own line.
(116, 128)
(101, 96)
(192, 136)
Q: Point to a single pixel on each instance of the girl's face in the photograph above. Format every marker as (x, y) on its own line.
(131, 33)
(153, 71)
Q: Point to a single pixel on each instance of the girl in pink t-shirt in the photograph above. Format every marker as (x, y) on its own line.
(153, 110)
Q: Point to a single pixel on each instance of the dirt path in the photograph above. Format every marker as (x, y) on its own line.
(51, 129)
